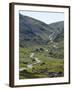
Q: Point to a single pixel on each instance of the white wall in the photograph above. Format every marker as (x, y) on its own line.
(4, 44)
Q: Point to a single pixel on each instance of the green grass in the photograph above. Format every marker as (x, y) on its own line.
(47, 64)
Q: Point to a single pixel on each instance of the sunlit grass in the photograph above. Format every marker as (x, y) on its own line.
(47, 64)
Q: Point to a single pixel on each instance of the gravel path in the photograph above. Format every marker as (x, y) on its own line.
(31, 65)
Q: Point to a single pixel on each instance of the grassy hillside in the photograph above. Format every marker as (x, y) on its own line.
(41, 52)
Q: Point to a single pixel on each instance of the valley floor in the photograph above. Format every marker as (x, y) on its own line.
(37, 63)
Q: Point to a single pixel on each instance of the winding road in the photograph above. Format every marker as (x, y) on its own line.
(31, 65)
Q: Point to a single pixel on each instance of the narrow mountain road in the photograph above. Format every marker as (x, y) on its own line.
(37, 60)
(21, 69)
(31, 65)
(32, 55)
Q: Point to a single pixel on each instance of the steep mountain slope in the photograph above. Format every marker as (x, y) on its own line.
(58, 34)
(35, 32)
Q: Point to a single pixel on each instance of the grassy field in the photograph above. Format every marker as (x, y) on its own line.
(44, 62)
